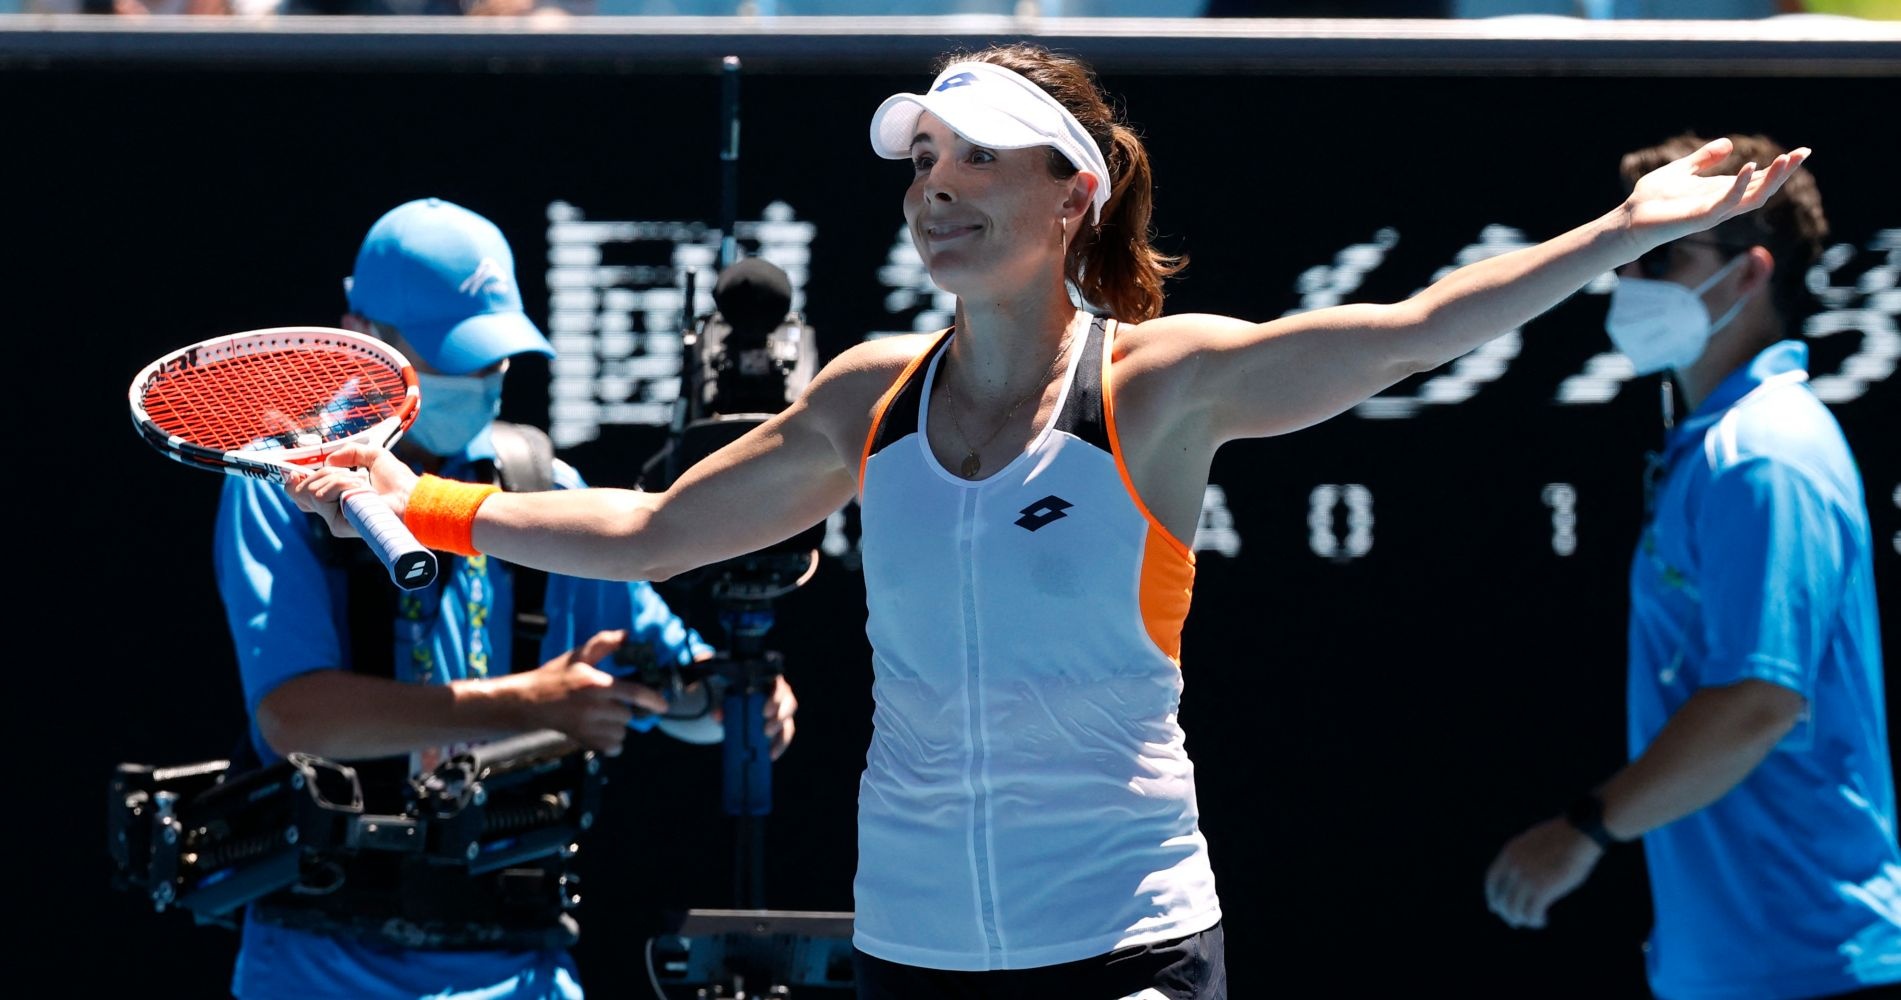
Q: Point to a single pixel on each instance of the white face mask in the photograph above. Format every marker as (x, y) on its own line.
(455, 408)
(1660, 324)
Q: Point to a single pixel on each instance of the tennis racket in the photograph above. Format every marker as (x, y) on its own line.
(267, 402)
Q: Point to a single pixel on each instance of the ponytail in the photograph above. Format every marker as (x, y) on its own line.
(1117, 267)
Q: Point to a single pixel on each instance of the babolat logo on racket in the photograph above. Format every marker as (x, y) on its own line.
(960, 80)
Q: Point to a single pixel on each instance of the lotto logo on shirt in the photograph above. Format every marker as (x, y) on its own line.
(1045, 511)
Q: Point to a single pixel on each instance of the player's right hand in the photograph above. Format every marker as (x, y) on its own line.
(352, 467)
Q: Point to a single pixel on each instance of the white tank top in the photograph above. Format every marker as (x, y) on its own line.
(1027, 798)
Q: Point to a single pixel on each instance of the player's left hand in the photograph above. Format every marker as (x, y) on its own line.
(1679, 198)
(1536, 869)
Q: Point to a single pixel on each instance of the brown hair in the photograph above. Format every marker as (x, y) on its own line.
(1790, 225)
(1115, 266)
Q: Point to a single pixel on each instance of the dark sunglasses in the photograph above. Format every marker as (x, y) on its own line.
(1657, 262)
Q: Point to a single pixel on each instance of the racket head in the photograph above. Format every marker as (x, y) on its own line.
(263, 402)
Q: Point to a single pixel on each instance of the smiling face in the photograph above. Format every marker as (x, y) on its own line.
(987, 220)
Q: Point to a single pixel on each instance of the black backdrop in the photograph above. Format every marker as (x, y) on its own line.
(1367, 730)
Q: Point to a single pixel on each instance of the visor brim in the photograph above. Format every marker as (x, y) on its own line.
(895, 124)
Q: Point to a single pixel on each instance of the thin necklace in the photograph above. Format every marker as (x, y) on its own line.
(971, 464)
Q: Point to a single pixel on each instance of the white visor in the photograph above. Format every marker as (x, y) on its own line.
(994, 107)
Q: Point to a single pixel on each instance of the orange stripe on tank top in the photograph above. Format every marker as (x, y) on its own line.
(884, 403)
(1168, 566)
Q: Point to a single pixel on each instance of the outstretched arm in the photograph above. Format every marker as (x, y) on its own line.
(776, 480)
(1274, 377)
(780, 478)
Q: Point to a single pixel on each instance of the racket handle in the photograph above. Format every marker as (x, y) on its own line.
(411, 566)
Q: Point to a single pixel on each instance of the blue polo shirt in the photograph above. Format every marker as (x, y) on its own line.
(284, 602)
(1757, 562)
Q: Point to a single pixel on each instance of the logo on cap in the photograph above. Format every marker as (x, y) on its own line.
(485, 272)
(960, 80)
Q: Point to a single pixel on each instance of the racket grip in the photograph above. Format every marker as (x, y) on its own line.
(411, 565)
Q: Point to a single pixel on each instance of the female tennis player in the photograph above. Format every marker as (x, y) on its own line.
(1029, 479)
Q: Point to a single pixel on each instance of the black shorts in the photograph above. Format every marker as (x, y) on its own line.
(1190, 968)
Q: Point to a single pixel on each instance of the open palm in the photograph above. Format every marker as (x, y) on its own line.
(1679, 198)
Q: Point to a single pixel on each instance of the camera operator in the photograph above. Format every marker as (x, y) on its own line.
(337, 663)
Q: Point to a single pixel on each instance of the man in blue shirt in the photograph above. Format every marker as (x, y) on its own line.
(339, 664)
(1760, 778)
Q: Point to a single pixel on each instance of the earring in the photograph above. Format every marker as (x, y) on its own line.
(1062, 227)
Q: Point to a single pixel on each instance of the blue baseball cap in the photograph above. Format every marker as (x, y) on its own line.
(445, 278)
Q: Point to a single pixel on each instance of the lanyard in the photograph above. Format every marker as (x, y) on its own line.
(1657, 463)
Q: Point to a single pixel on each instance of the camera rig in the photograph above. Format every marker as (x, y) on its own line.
(208, 840)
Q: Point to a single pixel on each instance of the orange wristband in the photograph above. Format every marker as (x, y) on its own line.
(441, 513)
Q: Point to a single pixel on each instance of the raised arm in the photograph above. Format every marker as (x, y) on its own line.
(778, 479)
(1270, 378)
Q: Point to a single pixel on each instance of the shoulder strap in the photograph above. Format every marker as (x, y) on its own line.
(896, 414)
(524, 463)
(1082, 413)
(524, 457)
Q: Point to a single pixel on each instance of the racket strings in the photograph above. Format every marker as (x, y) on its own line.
(276, 400)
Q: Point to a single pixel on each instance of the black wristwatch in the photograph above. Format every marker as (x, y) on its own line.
(1586, 812)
